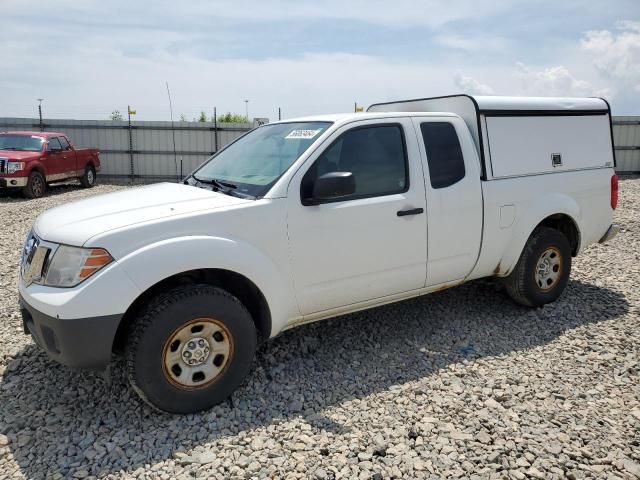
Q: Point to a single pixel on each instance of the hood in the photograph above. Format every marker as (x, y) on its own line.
(77, 222)
(18, 155)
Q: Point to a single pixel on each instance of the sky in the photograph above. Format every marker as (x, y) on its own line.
(86, 58)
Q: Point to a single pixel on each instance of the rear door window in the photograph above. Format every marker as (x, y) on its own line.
(444, 155)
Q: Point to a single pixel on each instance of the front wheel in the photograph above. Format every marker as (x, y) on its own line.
(190, 349)
(36, 185)
(543, 270)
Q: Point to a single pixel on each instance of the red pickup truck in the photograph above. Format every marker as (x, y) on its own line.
(31, 160)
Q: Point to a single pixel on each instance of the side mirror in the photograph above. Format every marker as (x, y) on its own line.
(333, 185)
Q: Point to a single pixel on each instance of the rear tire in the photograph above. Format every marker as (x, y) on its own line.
(88, 180)
(36, 186)
(543, 270)
(190, 349)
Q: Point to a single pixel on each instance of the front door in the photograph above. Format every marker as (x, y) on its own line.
(55, 161)
(372, 243)
(69, 167)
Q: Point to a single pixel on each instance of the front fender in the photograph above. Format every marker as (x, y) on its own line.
(526, 222)
(158, 261)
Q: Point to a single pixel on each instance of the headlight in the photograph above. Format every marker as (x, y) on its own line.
(72, 265)
(13, 167)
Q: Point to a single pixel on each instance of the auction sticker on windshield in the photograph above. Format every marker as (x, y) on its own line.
(303, 134)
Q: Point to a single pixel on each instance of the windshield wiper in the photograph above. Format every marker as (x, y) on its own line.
(9, 148)
(223, 186)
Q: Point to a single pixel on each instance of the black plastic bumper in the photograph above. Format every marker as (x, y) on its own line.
(80, 342)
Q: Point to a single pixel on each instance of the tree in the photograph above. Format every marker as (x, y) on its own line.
(183, 118)
(232, 118)
(202, 117)
(116, 115)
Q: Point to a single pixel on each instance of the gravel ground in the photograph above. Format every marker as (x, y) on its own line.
(462, 383)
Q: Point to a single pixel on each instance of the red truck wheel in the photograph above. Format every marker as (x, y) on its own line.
(88, 180)
(36, 186)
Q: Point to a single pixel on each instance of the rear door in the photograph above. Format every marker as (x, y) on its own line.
(454, 197)
(368, 245)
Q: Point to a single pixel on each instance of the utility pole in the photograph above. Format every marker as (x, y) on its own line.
(279, 114)
(40, 113)
(246, 109)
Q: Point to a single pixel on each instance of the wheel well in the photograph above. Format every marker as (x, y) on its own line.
(39, 170)
(234, 283)
(567, 226)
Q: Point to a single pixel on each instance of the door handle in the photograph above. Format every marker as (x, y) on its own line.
(412, 211)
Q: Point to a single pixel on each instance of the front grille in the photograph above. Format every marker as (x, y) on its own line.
(3, 164)
(34, 257)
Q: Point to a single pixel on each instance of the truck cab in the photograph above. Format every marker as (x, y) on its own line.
(306, 219)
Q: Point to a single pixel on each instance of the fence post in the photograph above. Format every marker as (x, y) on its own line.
(215, 129)
(131, 171)
(279, 114)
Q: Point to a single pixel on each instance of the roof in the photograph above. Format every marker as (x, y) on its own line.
(497, 104)
(539, 103)
(347, 117)
(35, 134)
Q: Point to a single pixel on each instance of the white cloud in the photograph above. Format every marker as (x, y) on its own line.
(554, 81)
(297, 55)
(208, 12)
(471, 86)
(472, 43)
(616, 55)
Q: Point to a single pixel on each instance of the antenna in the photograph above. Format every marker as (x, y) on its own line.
(173, 132)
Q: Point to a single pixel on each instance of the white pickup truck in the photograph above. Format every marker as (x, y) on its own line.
(306, 219)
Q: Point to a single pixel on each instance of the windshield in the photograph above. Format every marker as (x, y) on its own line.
(251, 165)
(24, 143)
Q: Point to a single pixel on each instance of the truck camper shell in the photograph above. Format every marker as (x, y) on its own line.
(517, 136)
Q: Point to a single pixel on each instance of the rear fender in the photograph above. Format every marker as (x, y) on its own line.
(533, 215)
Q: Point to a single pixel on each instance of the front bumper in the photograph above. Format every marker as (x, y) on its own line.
(79, 342)
(13, 182)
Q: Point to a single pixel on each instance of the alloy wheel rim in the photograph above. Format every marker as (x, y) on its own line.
(548, 269)
(90, 177)
(197, 353)
(37, 186)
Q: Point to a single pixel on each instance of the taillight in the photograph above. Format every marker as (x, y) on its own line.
(614, 191)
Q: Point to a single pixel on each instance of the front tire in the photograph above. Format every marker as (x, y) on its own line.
(190, 349)
(88, 180)
(36, 185)
(543, 270)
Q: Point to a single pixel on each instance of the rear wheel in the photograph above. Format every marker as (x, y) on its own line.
(36, 185)
(88, 180)
(190, 349)
(543, 270)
